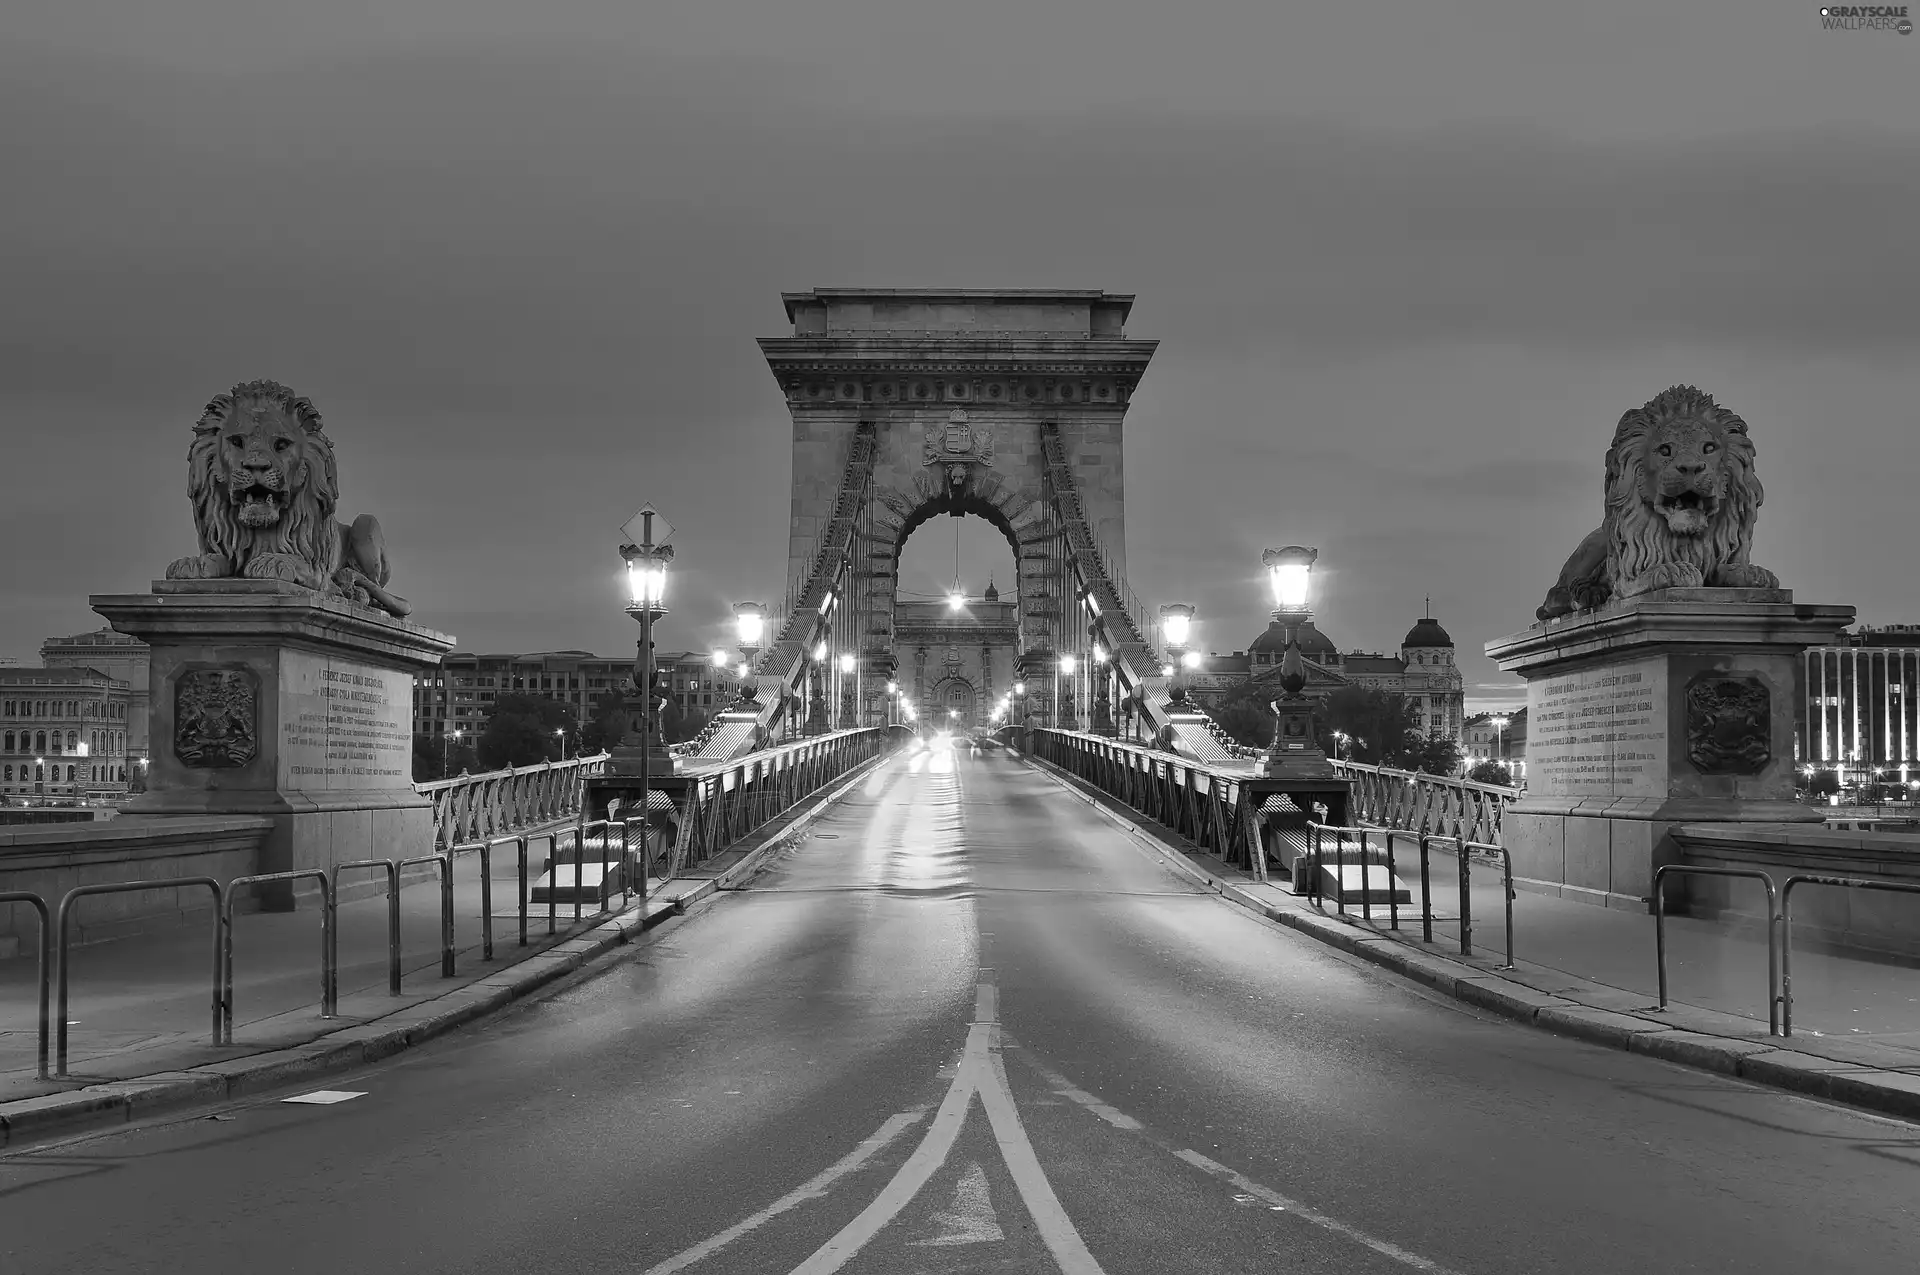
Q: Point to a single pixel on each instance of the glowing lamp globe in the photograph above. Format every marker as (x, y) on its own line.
(1289, 571)
(846, 661)
(750, 620)
(1176, 619)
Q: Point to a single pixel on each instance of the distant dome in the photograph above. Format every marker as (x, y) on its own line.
(993, 594)
(1312, 641)
(1427, 632)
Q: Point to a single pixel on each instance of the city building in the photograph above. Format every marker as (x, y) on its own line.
(120, 657)
(1424, 672)
(1861, 717)
(1500, 737)
(63, 735)
(461, 694)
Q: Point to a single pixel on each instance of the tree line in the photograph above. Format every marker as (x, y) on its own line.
(1378, 726)
(524, 730)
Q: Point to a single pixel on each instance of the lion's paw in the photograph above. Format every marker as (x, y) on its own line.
(1744, 575)
(1672, 575)
(280, 566)
(204, 566)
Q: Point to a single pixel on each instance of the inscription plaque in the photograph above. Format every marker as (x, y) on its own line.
(1599, 732)
(344, 724)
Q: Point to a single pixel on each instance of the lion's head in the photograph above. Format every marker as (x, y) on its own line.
(261, 476)
(1680, 486)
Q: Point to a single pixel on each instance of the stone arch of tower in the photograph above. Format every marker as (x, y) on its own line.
(956, 692)
(1007, 405)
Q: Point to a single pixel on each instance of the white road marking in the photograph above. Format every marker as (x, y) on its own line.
(970, 1219)
(812, 1189)
(981, 1073)
(326, 1097)
(926, 1158)
(1056, 1228)
(1273, 1199)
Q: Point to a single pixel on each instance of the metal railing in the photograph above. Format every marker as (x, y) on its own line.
(43, 970)
(1786, 927)
(329, 953)
(392, 872)
(1773, 930)
(1416, 802)
(443, 863)
(79, 892)
(499, 803)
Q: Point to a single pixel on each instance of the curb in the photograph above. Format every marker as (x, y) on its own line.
(30, 1120)
(1880, 1090)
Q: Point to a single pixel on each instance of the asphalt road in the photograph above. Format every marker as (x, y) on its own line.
(969, 1026)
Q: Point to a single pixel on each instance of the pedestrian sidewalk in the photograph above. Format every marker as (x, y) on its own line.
(143, 1005)
(140, 1009)
(1590, 972)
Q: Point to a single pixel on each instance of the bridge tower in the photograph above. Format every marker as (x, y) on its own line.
(1004, 404)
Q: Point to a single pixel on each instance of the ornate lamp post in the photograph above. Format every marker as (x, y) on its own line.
(642, 748)
(1065, 721)
(1176, 621)
(893, 703)
(1499, 721)
(849, 691)
(453, 742)
(1102, 677)
(750, 620)
(817, 702)
(1295, 750)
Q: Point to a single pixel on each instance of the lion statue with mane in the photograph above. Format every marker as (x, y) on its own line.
(1681, 497)
(261, 476)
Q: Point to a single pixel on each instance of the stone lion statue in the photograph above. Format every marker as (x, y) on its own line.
(1681, 497)
(261, 476)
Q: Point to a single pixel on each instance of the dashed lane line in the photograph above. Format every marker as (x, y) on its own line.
(1306, 1213)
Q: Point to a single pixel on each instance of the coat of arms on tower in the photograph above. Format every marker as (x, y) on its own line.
(958, 445)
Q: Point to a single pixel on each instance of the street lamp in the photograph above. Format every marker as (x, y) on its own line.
(646, 592)
(560, 733)
(750, 624)
(1176, 623)
(817, 704)
(1294, 750)
(849, 667)
(446, 751)
(1068, 722)
(1102, 677)
(1499, 721)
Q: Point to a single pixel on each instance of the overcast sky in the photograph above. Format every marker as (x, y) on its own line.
(1407, 263)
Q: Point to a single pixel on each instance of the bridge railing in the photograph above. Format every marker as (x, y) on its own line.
(502, 802)
(1434, 804)
(728, 802)
(1228, 813)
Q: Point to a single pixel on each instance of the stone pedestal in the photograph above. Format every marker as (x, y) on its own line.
(1676, 706)
(272, 699)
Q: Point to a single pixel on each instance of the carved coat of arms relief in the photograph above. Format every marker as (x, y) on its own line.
(958, 445)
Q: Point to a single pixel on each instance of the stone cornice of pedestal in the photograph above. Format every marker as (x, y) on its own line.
(1670, 619)
(244, 612)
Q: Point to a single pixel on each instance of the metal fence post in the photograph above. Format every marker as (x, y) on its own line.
(43, 973)
(520, 852)
(121, 887)
(1773, 930)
